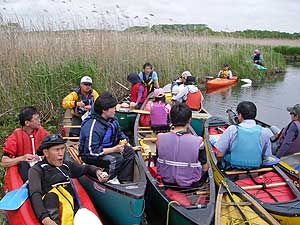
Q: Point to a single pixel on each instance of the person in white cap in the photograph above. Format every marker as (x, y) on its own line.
(80, 100)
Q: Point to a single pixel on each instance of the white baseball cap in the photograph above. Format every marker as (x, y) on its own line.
(186, 74)
(86, 79)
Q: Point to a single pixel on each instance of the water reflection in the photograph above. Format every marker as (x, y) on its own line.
(271, 96)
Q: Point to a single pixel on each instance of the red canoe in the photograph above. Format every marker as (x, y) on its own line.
(220, 82)
(25, 215)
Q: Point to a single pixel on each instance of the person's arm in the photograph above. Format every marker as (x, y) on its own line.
(140, 94)
(180, 96)
(35, 195)
(219, 74)
(155, 79)
(70, 101)
(8, 162)
(289, 138)
(223, 143)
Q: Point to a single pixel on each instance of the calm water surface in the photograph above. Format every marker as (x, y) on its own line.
(271, 97)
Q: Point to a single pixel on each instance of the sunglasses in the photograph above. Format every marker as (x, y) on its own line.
(87, 84)
(292, 114)
(53, 138)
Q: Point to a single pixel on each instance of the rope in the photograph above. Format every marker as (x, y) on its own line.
(168, 210)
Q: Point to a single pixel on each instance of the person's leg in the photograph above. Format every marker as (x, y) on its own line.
(127, 166)
(115, 162)
(51, 203)
(74, 132)
(23, 168)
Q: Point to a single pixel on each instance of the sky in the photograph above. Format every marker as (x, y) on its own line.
(226, 15)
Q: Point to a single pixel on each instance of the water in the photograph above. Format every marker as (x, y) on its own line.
(271, 97)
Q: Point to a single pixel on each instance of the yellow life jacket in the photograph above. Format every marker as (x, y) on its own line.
(66, 205)
(224, 74)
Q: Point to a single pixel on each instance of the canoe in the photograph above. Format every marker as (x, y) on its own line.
(119, 204)
(220, 90)
(220, 82)
(164, 203)
(269, 186)
(126, 120)
(25, 215)
(235, 206)
(116, 203)
(259, 67)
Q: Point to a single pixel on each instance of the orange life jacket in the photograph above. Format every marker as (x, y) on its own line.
(224, 74)
(194, 100)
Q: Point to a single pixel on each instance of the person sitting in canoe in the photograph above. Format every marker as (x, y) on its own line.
(102, 142)
(138, 91)
(244, 146)
(181, 158)
(149, 77)
(80, 101)
(225, 73)
(289, 139)
(20, 147)
(178, 84)
(159, 110)
(50, 191)
(257, 57)
(190, 94)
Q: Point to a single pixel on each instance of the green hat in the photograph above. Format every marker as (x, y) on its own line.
(294, 109)
(49, 141)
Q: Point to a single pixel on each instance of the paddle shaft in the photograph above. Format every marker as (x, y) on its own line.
(264, 186)
(123, 86)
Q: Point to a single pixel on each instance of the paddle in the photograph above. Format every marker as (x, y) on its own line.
(14, 199)
(123, 86)
(83, 215)
(248, 81)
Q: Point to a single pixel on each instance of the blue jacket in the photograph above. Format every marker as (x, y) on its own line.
(97, 133)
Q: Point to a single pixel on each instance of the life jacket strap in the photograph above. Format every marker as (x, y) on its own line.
(180, 164)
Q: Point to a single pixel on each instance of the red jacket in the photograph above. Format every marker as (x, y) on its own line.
(19, 142)
(134, 93)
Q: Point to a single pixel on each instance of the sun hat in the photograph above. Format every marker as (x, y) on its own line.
(49, 141)
(86, 79)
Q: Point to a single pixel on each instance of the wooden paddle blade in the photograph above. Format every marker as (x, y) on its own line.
(84, 216)
(14, 199)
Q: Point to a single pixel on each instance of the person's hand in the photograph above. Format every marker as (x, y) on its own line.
(87, 107)
(48, 221)
(28, 157)
(80, 104)
(102, 176)
(137, 148)
(119, 148)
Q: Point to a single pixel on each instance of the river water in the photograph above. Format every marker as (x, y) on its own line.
(271, 97)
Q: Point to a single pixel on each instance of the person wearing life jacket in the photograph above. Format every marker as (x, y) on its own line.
(138, 91)
(50, 190)
(246, 145)
(149, 77)
(101, 141)
(159, 110)
(20, 147)
(181, 158)
(225, 73)
(80, 101)
(257, 57)
(190, 94)
(289, 139)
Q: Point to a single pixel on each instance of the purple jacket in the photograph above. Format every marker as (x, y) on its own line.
(158, 114)
(289, 141)
(178, 155)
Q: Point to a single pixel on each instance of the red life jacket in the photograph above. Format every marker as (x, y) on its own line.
(20, 143)
(193, 100)
(134, 93)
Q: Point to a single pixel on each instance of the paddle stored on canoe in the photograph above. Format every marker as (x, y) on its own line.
(25, 215)
(269, 186)
(175, 206)
(235, 206)
(220, 82)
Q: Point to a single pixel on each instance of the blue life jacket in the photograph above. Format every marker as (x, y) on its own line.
(87, 101)
(246, 151)
(110, 137)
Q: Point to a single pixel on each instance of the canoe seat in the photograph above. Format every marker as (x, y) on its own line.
(178, 197)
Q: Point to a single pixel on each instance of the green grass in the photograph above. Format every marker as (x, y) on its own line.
(287, 50)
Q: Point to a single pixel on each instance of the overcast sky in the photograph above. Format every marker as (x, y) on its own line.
(227, 15)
